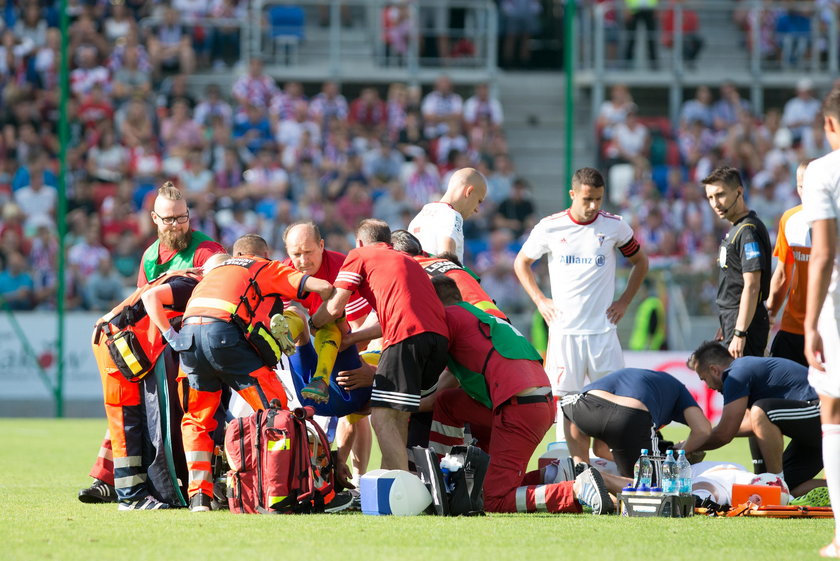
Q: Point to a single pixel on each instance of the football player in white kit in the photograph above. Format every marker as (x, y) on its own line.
(821, 205)
(581, 315)
(440, 225)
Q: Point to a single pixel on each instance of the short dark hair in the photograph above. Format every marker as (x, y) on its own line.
(587, 176)
(831, 104)
(710, 352)
(449, 256)
(446, 289)
(250, 244)
(725, 176)
(405, 241)
(373, 230)
(308, 223)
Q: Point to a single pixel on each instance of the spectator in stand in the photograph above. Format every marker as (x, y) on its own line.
(118, 23)
(265, 179)
(440, 104)
(83, 36)
(421, 180)
(87, 254)
(393, 206)
(284, 103)
(632, 140)
(130, 80)
(37, 201)
(383, 164)
(411, 139)
(95, 109)
(131, 41)
(43, 261)
(252, 129)
(517, 211)
(224, 39)
(801, 110)
(500, 181)
(329, 105)
(255, 87)
(698, 109)
(452, 140)
(16, 283)
(793, 33)
(396, 106)
(727, 110)
(355, 205)
(107, 160)
(105, 288)
(171, 46)
(134, 123)
(482, 105)
(290, 131)
(195, 180)
(640, 11)
(519, 22)
(88, 73)
(307, 149)
(614, 110)
(179, 134)
(213, 106)
(692, 40)
(368, 113)
(173, 88)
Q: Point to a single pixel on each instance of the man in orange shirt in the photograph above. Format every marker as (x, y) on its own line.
(232, 300)
(790, 279)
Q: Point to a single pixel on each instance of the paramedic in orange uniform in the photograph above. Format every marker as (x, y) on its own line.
(231, 299)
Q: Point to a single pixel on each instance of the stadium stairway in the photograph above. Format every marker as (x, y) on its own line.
(535, 116)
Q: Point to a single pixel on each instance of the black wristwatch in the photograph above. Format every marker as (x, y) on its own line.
(739, 333)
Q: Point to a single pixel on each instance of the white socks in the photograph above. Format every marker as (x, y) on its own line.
(831, 463)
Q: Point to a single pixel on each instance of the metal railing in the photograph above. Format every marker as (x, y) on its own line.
(346, 39)
(741, 45)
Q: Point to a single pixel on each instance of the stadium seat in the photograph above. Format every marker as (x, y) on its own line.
(286, 31)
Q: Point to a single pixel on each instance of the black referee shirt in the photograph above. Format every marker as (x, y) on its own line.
(745, 249)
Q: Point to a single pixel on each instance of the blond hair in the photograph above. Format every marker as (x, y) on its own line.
(169, 191)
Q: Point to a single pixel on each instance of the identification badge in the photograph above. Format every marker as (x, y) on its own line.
(722, 257)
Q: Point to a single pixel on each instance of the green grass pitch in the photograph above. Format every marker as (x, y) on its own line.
(45, 462)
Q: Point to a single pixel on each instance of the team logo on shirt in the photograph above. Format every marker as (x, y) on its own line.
(601, 238)
(600, 260)
(752, 250)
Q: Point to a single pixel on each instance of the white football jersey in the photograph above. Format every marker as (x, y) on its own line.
(581, 267)
(821, 201)
(434, 223)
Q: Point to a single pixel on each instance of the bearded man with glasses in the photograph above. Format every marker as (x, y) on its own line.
(177, 247)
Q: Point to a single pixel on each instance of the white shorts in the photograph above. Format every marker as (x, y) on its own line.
(828, 382)
(571, 359)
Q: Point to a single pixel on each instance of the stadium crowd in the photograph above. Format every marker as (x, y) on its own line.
(250, 160)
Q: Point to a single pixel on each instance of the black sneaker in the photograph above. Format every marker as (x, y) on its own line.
(341, 501)
(146, 503)
(99, 492)
(202, 503)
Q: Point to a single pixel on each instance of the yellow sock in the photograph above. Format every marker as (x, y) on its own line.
(327, 340)
(295, 322)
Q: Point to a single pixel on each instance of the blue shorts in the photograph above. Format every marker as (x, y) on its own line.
(341, 402)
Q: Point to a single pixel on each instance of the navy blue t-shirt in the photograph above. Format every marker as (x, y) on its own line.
(766, 377)
(665, 397)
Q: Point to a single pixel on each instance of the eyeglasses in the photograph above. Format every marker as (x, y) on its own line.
(170, 220)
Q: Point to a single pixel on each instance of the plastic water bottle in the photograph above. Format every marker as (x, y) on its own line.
(683, 473)
(643, 470)
(670, 475)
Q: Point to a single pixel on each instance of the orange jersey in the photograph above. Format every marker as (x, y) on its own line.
(793, 246)
(471, 290)
(246, 287)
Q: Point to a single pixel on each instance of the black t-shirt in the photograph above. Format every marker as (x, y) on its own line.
(746, 248)
(182, 289)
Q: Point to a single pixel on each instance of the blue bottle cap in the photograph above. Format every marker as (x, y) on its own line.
(656, 490)
(643, 488)
(629, 489)
(644, 451)
(681, 452)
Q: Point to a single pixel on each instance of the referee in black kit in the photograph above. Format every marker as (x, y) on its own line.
(744, 259)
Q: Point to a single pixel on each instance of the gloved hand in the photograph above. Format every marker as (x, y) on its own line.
(170, 335)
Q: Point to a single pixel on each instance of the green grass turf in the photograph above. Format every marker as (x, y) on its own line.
(44, 463)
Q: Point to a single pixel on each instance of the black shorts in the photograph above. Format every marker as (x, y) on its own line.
(790, 346)
(800, 421)
(624, 429)
(757, 332)
(409, 370)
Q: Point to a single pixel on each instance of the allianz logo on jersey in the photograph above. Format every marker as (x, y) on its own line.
(598, 260)
(799, 256)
